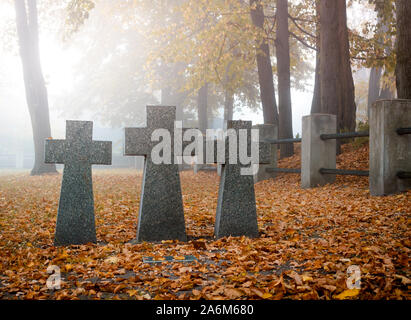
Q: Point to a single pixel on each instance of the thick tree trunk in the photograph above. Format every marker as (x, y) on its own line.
(316, 102)
(36, 92)
(284, 83)
(265, 71)
(337, 85)
(373, 87)
(403, 68)
(329, 58)
(202, 108)
(347, 112)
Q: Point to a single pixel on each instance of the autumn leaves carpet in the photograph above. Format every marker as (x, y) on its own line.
(308, 240)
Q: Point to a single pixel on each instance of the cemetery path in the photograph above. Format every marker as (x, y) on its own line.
(308, 239)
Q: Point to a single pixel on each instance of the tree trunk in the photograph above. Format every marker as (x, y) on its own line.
(316, 102)
(202, 108)
(337, 85)
(329, 58)
(403, 68)
(282, 46)
(386, 93)
(265, 71)
(373, 87)
(36, 91)
(347, 112)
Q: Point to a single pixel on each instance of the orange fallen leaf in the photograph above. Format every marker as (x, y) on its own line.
(132, 293)
(68, 267)
(294, 275)
(347, 294)
(232, 293)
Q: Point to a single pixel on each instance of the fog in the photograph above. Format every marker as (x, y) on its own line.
(84, 77)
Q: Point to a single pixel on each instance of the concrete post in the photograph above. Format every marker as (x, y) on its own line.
(267, 131)
(389, 152)
(317, 153)
(219, 169)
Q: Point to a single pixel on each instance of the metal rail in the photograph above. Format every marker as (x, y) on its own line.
(404, 175)
(284, 170)
(281, 141)
(402, 131)
(344, 135)
(345, 172)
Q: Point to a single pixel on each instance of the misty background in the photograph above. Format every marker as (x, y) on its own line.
(79, 71)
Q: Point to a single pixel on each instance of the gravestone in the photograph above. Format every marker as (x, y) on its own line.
(236, 213)
(161, 215)
(75, 218)
(267, 131)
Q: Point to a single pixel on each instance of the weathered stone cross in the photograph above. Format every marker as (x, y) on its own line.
(236, 213)
(75, 219)
(161, 215)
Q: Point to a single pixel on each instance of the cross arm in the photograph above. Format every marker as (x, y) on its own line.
(137, 141)
(101, 152)
(54, 151)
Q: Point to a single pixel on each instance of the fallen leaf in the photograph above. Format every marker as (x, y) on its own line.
(347, 294)
(112, 260)
(294, 275)
(232, 293)
(404, 280)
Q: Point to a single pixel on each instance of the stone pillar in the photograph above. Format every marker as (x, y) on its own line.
(389, 151)
(267, 131)
(317, 153)
(219, 169)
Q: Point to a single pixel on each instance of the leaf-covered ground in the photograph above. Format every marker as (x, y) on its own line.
(308, 240)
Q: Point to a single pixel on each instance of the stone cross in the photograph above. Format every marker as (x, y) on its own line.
(75, 218)
(236, 208)
(161, 215)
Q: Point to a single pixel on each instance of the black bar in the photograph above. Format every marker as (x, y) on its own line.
(284, 170)
(281, 141)
(345, 172)
(402, 131)
(344, 135)
(404, 175)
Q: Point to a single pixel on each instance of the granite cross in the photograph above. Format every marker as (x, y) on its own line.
(75, 218)
(236, 213)
(161, 215)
